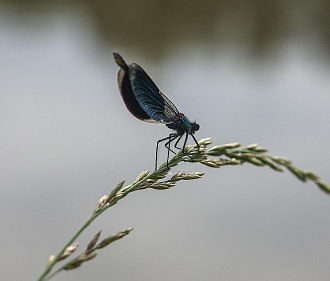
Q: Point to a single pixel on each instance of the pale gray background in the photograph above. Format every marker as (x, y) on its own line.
(247, 71)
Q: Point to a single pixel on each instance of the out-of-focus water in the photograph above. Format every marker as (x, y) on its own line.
(247, 71)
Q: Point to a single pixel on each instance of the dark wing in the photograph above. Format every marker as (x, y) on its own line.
(126, 91)
(149, 97)
(129, 98)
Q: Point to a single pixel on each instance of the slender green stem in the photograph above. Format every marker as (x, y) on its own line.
(53, 274)
(70, 242)
(90, 220)
(236, 155)
(74, 237)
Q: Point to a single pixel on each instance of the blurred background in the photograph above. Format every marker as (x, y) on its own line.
(247, 71)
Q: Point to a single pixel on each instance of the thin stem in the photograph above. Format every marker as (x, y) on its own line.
(53, 274)
(74, 237)
(235, 155)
